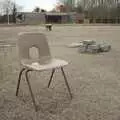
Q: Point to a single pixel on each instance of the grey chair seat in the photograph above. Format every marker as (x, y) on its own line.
(46, 65)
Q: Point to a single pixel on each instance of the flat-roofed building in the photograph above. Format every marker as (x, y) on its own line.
(30, 18)
(49, 17)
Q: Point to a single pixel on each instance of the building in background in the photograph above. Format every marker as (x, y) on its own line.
(30, 18)
(49, 17)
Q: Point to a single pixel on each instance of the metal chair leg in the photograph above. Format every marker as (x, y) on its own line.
(18, 84)
(51, 77)
(30, 89)
(66, 82)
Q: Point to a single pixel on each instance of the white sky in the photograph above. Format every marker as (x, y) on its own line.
(29, 5)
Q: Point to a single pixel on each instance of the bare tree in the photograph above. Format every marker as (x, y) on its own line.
(36, 9)
(97, 9)
(9, 8)
(100, 8)
(68, 4)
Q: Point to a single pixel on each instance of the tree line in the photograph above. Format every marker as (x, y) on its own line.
(9, 10)
(94, 9)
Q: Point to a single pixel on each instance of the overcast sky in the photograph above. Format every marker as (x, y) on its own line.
(29, 5)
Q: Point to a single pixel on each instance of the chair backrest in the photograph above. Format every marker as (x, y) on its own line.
(30, 39)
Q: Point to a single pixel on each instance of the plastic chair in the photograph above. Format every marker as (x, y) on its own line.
(44, 62)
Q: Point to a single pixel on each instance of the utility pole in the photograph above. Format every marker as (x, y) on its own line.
(8, 18)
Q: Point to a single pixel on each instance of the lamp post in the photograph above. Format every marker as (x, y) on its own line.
(8, 9)
(8, 18)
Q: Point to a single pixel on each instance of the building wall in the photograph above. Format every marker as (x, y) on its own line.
(41, 18)
(80, 18)
(33, 18)
(76, 17)
(64, 19)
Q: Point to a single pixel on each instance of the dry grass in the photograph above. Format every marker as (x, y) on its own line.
(94, 79)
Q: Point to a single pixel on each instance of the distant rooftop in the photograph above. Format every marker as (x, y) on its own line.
(55, 13)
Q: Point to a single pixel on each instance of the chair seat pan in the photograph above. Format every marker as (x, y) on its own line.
(51, 64)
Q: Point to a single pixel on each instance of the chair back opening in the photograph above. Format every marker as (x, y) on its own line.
(33, 46)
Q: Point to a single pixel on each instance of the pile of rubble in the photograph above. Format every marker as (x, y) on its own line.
(90, 46)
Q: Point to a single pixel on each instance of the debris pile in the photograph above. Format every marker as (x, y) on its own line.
(90, 46)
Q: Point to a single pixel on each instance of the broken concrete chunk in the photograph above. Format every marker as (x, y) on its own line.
(90, 46)
(93, 48)
(88, 42)
(75, 45)
(82, 49)
(105, 47)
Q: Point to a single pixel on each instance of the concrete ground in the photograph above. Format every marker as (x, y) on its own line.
(94, 78)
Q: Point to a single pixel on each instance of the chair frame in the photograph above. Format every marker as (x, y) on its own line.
(29, 85)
